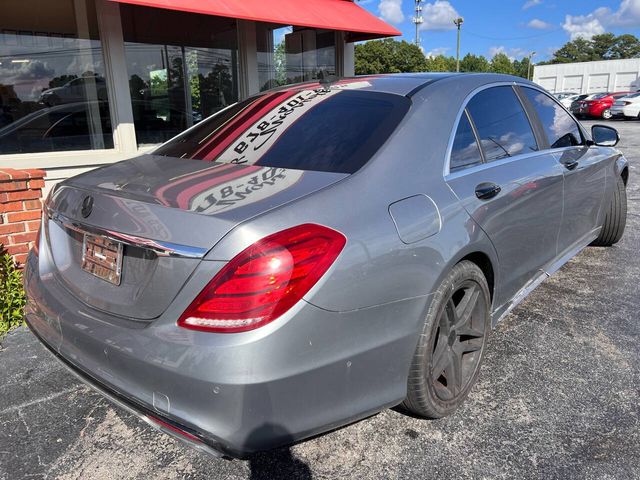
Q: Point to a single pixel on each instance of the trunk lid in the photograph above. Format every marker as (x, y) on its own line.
(167, 213)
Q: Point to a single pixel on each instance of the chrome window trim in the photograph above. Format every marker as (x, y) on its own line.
(162, 249)
(447, 174)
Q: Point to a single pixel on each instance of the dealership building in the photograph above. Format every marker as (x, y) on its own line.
(590, 77)
(89, 82)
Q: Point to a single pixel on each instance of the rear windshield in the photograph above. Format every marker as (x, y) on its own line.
(599, 95)
(329, 130)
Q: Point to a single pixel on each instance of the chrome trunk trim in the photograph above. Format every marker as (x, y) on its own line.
(162, 249)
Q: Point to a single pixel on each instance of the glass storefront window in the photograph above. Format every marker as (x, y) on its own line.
(177, 76)
(293, 54)
(53, 94)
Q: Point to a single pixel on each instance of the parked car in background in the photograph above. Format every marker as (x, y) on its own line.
(627, 107)
(61, 127)
(319, 252)
(598, 105)
(568, 101)
(562, 95)
(575, 101)
(75, 91)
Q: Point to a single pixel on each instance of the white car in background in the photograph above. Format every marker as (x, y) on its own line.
(575, 97)
(563, 95)
(627, 107)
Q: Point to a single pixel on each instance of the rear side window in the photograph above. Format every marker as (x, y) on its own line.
(502, 124)
(335, 130)
(465, 151)
(560, 127)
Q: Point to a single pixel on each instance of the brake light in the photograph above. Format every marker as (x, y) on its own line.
(265, 280)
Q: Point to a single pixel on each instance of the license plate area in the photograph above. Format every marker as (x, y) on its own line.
(102, 257)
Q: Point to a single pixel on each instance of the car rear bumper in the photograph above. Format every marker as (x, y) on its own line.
(630, 111)
(244, 393)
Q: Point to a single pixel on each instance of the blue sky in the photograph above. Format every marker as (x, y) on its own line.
(515, 27)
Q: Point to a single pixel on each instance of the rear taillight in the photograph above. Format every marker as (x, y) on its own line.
(264, 280)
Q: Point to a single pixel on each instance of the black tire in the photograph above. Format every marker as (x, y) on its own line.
(616, 217)
(432, 393)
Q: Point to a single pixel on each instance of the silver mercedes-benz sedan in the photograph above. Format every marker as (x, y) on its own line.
(317, 253)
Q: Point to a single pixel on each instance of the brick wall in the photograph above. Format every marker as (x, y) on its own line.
(20, 209)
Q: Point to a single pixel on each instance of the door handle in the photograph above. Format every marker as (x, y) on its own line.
(487, 190)
(571, 164)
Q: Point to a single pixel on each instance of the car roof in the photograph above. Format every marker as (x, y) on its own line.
(407, 84)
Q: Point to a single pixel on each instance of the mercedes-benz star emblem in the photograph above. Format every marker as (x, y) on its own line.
(87, 206)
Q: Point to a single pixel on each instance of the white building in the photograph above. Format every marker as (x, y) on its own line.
(590, 77)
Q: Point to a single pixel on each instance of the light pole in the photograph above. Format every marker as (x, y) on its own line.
(529, 65)
(418, 20)
(458, 23)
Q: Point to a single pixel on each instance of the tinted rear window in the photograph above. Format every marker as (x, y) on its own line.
(324, 130)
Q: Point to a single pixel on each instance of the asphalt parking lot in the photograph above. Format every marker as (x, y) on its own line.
(558, 397)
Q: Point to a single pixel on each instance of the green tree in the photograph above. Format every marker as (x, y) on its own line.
(521, 67)
(280, 64)
(474, 63)
(500, 63)
(625, 46)
(578, 50)
(440, 63)
(388, 56)
(600, 47)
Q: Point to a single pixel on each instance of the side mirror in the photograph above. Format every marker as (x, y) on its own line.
(604, 136)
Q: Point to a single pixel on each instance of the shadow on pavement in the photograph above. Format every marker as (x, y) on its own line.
(275, 464)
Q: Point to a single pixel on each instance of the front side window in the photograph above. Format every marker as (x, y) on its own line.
(560, 127)
(335, 130)
(177, 76)
(465, 151)
(501, 123)
(53, 93)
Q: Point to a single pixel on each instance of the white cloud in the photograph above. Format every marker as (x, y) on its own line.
(603, 18)
(439, 16)
(531, 3)
(584, 26)
(391, 10)
(539, 24)
(630, 9)
(512, 53)
(437, 51)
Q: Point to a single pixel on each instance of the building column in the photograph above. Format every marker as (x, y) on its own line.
(345, 58)
(248, 56)
(110, 26)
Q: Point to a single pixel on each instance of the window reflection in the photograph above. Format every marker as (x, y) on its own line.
(502, 125)
(53, 93)
(465, 151)
(291, 55)
(177, 77)
(560, 127)
(335, 129)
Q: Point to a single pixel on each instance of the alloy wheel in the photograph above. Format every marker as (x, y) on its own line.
(459, 341)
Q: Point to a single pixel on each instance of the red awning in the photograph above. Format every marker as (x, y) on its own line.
(341, 15)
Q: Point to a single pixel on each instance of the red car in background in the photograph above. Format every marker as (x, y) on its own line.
(598, 105)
